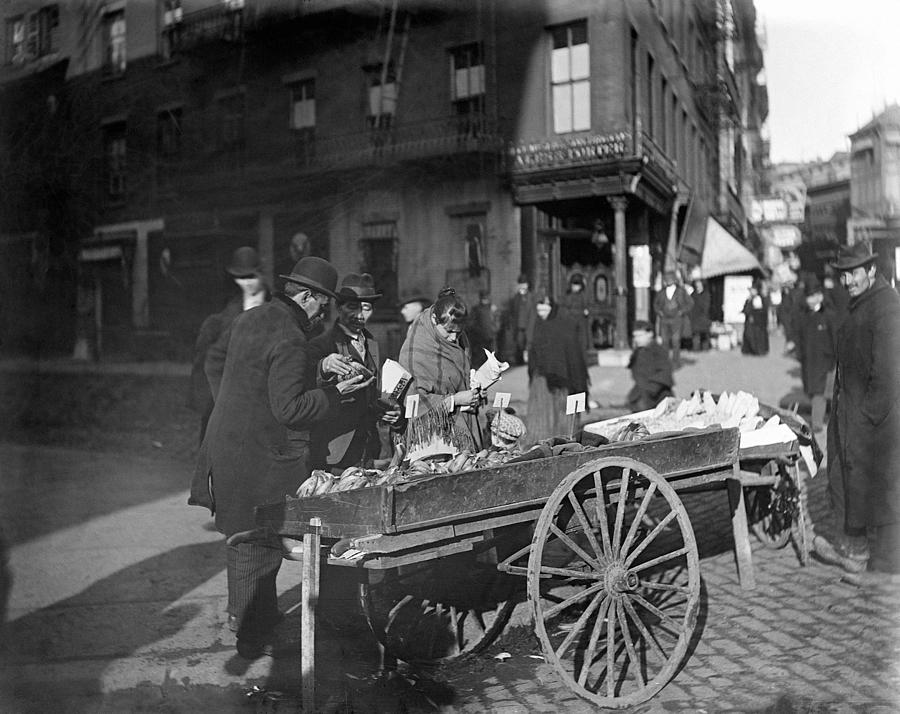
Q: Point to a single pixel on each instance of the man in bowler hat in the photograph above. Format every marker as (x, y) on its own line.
(256, 448)
(349, 436)
(864, 429)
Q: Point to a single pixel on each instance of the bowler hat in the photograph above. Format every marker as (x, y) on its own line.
(854, 256)
(523, 278)
(642, 326)
(357, 287)
(414, 297)
(314, 273)
(811, 285)
(244, 261)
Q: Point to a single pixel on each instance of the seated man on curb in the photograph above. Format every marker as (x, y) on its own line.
(650, 368)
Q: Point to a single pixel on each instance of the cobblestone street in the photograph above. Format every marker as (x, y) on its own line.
(119, 591)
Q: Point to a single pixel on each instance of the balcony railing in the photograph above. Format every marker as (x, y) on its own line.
(217, 22)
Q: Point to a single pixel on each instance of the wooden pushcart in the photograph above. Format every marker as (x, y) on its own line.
(601, 537)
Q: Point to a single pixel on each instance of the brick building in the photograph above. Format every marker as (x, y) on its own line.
(425, 142)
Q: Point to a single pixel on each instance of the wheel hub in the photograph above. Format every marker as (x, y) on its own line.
(619, 579)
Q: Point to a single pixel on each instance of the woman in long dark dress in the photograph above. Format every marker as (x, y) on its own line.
(756, 323)
(556, 369)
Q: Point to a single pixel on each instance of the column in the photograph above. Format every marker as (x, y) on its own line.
(619, 204)
(140, 311)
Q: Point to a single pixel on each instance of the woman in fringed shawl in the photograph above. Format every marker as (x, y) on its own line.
(556, 369)
(436, 354)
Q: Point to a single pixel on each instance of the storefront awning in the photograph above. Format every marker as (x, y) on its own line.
(723, 254)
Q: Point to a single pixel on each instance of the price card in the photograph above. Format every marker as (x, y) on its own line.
(501, 400)
(575, 403)
(412, 406)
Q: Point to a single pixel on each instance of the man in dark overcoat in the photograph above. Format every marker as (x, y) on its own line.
(518, 322)
(671, 305)
(816, 334)
(864, 430)
(349, 435)
(256, 448)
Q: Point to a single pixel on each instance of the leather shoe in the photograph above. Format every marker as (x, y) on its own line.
(255, 649)
(835, 555)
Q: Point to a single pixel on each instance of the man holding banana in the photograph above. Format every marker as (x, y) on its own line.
(257, 444)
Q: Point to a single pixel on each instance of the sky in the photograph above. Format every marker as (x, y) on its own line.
(830, 66)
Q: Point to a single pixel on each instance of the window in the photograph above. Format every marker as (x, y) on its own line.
(169, 134)
(382, 96)
(115, 160)
(379, 258)
(114, 42)
(471, 228)
(171, 33)
(663, 121)
(303, 104)
(302, 118)
(33, 35)
(467, 79)
(231, 121)
(570, 77)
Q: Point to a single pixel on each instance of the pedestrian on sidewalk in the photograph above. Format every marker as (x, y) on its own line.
(256, 448)
(673, 307)
(864, 430)
(756, 322)
(556, 369)
(518, 323)
(700, 319)
(816, 335)
(212, 341)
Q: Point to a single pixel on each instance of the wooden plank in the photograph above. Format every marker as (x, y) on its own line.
(742, 553)
(344, 514)
(310, 595)
(447, 498)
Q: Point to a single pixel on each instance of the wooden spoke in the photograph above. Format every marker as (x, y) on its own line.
(683, 589)
(674, 626)
(601, 512)
(629, 645)
(585, 526)
(661, 559)
(638, 517)
(604, 614)
(610, 656)
(579, 624)
(642, 628)
(620, 511)
(575, 547)
(559, 607)
(568, 573)
(651, 536)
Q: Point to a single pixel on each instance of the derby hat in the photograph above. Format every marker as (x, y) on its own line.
(854, 256)
(811, 285)
(314, 273)
(244, 262)
(415, 297)
(356, 286)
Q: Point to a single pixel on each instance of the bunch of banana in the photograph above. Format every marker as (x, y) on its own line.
(352, 478)
(318, 483)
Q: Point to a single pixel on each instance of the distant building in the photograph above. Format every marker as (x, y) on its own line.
(875, 188)
(426, 143)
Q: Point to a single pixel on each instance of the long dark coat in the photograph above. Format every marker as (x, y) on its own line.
(651, 371)
(756, 328)
(349, 435)
(211, 329)
(256, 448)
(864, 431)
(816, 334)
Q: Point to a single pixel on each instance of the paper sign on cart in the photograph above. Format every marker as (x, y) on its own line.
(412, 406)
(501, 400)
(575, 403)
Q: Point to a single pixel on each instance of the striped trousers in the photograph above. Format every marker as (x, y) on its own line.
(252, 596)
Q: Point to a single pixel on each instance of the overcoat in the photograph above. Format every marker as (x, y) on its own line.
(651, 371)
(864, 431)
(256, 448)
(349, 434)
(816, 333)
(211, 329)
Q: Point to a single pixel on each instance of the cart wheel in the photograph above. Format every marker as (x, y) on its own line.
(802, 521)
(770, 509)
(438, 610)
(614, 581)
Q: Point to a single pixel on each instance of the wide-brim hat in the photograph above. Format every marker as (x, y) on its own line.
(358, 286)
(314, 273)
(415, 297)
(244, 261)
(854, 256)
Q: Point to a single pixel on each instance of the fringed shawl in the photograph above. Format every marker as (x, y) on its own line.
(439, 368)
